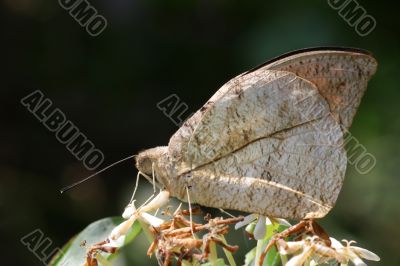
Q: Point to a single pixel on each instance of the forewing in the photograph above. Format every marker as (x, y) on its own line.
(275, 149)
(341, 76)
(253, 106)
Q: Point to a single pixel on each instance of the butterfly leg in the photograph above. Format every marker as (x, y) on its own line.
(190, 211)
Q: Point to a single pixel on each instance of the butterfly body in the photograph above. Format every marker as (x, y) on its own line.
(270, 141)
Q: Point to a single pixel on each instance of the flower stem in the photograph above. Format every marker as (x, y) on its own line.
(259, 250)
(212, 257)
(228, 254)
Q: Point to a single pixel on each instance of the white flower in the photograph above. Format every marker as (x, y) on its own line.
(299, 259)
(247, 219)
(286, 248)
(132, 214)
(151, 219)
(352, 253)
(303, 249)
(260, 228)
(314, 249)
(119, 242)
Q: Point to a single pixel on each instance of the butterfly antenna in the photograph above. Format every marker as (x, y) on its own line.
(87, 178)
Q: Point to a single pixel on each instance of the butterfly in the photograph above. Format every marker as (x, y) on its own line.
(271, 140)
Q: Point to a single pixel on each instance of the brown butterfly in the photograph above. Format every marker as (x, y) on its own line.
(269, 141)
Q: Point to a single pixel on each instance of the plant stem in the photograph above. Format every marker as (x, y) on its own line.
(228, 254)
(212, 257)
(259, 250)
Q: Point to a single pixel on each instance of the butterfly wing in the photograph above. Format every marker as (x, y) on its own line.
(296, 174)
(272, 130)
(341, 76)
(281, 125)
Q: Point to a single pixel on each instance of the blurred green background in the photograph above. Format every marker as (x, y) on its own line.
(109, 87)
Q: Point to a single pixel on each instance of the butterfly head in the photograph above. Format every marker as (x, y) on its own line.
(146, 159)
(149, 163)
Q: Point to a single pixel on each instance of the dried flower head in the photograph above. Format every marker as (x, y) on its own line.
(316, 251)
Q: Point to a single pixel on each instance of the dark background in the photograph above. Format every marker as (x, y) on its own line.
(109, 87)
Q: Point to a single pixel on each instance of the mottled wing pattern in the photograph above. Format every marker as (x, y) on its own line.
(274, 132)
(253, 106)
(340, 76)
(296, 173)
(276, 128)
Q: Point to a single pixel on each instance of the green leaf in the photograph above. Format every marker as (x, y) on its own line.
(57, 257)
(73, 253)
(133, 233)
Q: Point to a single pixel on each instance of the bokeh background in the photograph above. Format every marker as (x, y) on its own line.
(109, 87)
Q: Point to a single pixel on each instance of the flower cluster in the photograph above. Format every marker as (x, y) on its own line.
(191, 242)
(315, 251)
(304, 243)
(177, 237)
(312, 247)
